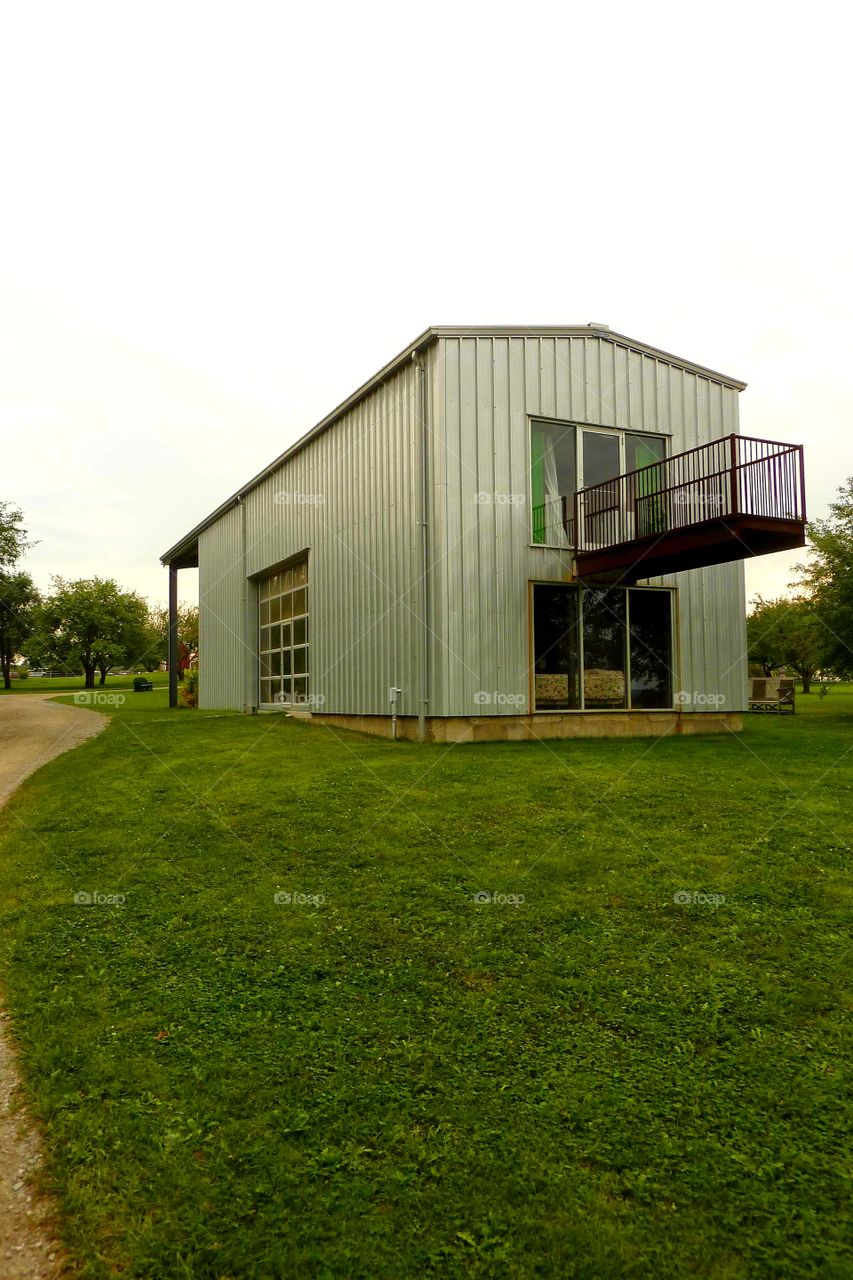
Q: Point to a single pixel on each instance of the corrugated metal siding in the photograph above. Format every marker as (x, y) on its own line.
(220, 579)
(489, 387)
(349, 499)
(713, 635)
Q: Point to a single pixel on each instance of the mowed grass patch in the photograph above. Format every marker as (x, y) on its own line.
(383, 1076)
(73, 684)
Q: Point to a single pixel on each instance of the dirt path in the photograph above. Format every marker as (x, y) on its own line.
(32, 731)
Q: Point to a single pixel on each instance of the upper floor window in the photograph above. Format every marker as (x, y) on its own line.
(565, 457)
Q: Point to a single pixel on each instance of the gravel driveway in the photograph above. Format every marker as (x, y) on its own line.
(32, 731)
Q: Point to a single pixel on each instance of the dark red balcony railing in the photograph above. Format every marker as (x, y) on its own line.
(726, 500)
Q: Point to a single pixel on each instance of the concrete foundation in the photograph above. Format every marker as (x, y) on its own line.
(530, 728)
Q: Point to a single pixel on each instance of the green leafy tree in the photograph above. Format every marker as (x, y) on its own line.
(93, 625)
(158, 637)
(114, 653)
(763, 638)
(187, 636)
(786, 633)
(18, 601)
(827, 578)
(13, 536)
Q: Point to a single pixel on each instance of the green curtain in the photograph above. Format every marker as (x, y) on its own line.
(651, 510)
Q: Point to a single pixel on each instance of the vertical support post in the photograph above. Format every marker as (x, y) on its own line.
(249, 623)
(576, 516)
(173, 636)
(733, 474)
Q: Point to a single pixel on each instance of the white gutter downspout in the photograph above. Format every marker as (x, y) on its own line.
(245, 624)
(423, 510)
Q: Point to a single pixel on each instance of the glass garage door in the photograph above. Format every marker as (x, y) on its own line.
(283, 637)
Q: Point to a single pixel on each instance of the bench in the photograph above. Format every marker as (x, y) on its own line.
(141, 685)
(603, 687)
(772, 693)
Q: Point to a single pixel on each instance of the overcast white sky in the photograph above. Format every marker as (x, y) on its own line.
(218, 220)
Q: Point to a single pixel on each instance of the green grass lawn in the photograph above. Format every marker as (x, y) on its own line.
(384, 1078)
(69, 684)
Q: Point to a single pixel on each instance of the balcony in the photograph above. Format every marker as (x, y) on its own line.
(727, 500)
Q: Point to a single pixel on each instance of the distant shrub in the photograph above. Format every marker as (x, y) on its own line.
(22, 673)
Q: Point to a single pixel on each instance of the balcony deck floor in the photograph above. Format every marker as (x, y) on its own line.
(716, 541)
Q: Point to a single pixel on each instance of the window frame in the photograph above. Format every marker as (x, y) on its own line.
(579, 427)
(628, 709)
(282, 622)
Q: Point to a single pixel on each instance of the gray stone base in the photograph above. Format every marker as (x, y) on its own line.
(575, 724)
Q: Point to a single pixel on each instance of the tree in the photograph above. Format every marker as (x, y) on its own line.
(763, 644)
(786, 633)
(18, 601)
(827, 578)
(110, 654)
(13, 536)
(187, 635)
(92, 624)
(803, 640)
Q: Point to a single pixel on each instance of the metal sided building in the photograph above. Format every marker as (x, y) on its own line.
(505, 533)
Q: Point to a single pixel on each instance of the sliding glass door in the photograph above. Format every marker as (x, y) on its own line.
(602, 648)
(646, 504)
(611, 513)
(602, 455)
(557, 630)
(566, 457)
(605, 685)
(650, 639)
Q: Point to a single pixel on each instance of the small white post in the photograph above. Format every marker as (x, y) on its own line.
(393, 694)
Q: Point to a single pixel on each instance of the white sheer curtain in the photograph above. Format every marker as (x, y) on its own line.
(555, 533)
